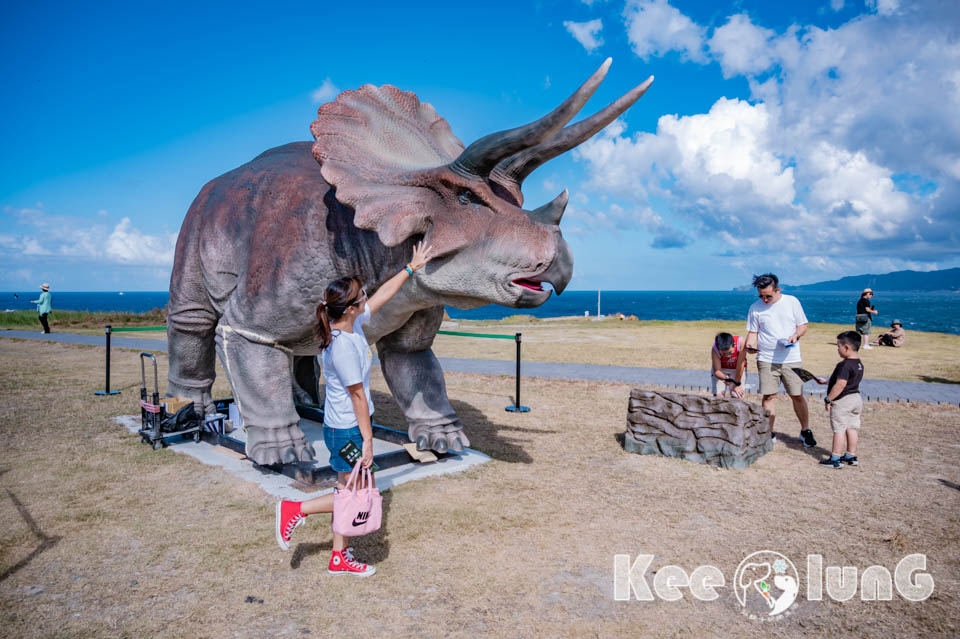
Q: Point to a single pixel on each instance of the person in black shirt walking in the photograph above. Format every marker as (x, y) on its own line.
(843, 401)
(865, 313)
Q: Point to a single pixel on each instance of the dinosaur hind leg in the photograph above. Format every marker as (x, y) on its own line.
(190, 347)
(260, 377)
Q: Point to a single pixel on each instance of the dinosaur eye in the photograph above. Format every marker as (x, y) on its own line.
(466, 196)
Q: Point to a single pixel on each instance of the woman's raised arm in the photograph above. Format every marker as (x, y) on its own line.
(421, 255)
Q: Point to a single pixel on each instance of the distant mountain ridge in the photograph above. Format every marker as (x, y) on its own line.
(942, 280)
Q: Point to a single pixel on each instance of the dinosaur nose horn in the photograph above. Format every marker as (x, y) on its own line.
(560, 270)
(551, 212)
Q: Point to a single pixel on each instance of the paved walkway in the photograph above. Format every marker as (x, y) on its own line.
(877, 389)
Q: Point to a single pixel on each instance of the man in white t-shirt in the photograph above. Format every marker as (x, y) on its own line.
(775, 324)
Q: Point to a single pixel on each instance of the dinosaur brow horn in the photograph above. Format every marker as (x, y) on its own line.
(513, 170)
(480, 157)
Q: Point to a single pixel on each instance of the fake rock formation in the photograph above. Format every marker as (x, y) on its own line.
(720, 432)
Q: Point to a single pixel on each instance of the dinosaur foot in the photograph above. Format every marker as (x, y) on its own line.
(442, 439)
(278, 445)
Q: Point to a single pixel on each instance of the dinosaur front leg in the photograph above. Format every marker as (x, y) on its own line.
(416, 382)
(260, 378)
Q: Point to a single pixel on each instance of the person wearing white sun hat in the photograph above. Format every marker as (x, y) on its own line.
(865, 313)
(44, 306)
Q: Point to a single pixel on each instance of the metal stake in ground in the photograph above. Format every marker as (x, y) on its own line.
(107, 390)
(517, 408)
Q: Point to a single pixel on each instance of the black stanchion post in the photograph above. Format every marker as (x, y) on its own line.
(107, 390)
(517, 407)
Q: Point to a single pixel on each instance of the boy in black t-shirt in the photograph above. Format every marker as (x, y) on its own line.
(843, 401)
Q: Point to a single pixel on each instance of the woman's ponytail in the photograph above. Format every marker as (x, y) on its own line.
(339, 296)
(322, 330)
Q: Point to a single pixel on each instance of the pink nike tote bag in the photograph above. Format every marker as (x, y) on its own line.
(357, 510)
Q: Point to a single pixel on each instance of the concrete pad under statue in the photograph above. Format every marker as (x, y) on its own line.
(719, 432)
(285, 487)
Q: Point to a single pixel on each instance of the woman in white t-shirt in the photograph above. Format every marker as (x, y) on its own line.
(346, 359)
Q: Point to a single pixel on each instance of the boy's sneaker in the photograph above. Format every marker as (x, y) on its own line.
(343, 563)
(288, 518)
(850, 460)
(835, 463)
(807, 437)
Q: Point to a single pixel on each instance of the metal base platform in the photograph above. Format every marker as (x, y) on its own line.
(318, 474)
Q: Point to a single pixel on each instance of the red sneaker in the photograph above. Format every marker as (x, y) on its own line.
(288, 518)
(344, 564)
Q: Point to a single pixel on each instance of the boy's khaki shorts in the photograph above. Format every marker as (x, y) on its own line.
(845, 413)
(772, 374)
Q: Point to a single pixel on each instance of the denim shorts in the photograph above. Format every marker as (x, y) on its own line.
(335, 439)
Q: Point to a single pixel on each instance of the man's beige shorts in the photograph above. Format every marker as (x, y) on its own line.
(845, 412)
(772, 374)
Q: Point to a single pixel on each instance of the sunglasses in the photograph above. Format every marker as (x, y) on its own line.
(766, 297)
(362, 296)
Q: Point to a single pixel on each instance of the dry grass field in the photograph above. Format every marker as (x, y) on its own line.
(669, 344)
(102, 537)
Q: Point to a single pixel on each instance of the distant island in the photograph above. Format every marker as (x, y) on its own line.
(943, 280)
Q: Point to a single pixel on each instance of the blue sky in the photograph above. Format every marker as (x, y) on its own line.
(816, 139)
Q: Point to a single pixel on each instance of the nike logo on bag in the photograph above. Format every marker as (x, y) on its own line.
(361, 518)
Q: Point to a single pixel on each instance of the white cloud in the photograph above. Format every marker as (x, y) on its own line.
(860, 196)
(584, 221)
(741, 47)
(131, 246)
(884, 7)
(586, 33)
(731, 141)
(325, 92)
(63, 237)
(32, 247)
(718, 162)
(654, 28)
(819, 262)
(850, 128)
(836, 5)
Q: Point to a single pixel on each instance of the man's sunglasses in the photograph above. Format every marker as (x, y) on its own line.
(766, 297)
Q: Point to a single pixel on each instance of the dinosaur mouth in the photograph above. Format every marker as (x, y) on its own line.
(532, 285)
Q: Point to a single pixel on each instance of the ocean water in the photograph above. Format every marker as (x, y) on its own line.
(919, 311)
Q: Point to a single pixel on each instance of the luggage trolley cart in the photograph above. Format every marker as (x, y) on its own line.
(156, 424)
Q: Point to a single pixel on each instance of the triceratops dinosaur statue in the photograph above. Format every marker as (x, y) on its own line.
(260, 243)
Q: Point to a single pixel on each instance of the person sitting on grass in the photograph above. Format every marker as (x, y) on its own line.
(895, 337)
(843, 401)
(729, 360)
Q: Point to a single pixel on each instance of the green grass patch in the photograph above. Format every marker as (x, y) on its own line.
(82, 319)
